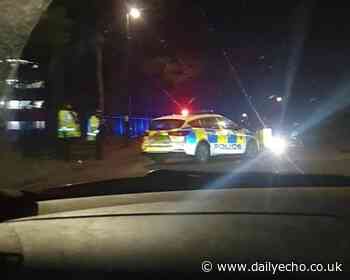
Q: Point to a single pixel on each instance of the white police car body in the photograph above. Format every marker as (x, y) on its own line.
(199, 135)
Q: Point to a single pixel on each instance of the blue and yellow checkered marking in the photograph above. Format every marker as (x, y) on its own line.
(213, 137)
(232, 139)
(191, 138)
(241, 139)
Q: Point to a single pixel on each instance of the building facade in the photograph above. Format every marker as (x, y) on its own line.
(23, 101)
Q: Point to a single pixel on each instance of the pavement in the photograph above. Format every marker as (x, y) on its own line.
(127, 161)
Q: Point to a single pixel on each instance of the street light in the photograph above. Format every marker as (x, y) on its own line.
(244, 115)
(279, 99)
(135, 13)
(132, 13)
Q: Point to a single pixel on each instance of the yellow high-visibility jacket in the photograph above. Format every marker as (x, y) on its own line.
(68, 125)
(93, 128)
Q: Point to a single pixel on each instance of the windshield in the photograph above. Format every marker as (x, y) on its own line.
(166, 124)
(199, 120)
(227, 124)
(263, 87)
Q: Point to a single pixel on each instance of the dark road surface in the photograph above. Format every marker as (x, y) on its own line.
(129, 162)
(298, 161)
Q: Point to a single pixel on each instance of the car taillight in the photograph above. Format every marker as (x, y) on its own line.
(178, 133)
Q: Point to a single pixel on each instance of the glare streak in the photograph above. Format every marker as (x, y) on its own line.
(242, 88)
(298, 40)
(339, 101)
(228, 177)
(294, 165)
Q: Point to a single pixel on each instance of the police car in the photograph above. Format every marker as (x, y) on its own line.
(198, 135)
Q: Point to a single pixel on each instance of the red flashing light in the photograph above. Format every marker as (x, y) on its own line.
(185, 112)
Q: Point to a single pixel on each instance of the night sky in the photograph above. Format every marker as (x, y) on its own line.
(295, 49)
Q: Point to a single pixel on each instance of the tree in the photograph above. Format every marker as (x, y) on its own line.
(176, 58)
(173, 73)
(53, 34)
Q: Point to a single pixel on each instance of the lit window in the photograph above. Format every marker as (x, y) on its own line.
(38, 104)
(12, 82)
(24, 104)
(13, 104)
(39, 124)
(14, 125)
(40, 84)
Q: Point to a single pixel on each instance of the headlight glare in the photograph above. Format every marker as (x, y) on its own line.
(277, 145)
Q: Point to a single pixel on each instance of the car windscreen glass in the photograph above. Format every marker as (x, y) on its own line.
(82, 81)
(166, 124)
(211, 123)
(195, 123)
(226, 123)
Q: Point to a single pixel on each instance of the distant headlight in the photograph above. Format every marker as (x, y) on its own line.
(277, 145)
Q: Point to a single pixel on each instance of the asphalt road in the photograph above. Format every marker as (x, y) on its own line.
(294, 162)
(297, 161)
(129, 162)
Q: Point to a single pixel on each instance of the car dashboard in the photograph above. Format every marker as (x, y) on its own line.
(177, 231)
